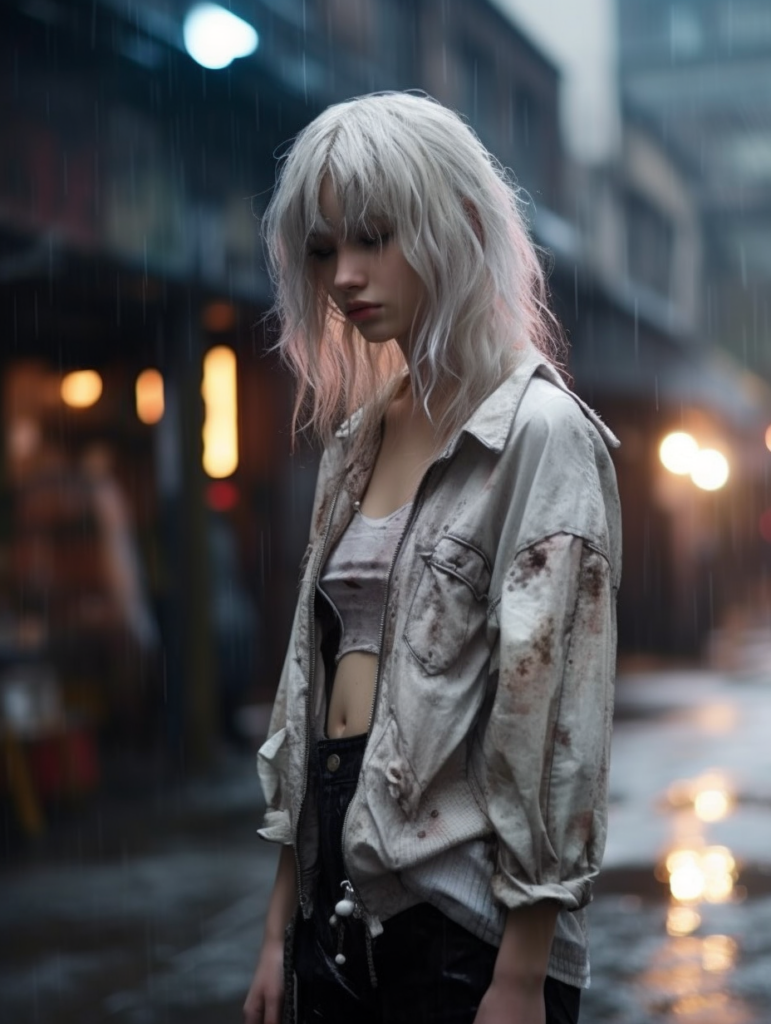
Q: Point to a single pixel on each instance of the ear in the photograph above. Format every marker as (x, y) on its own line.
(474, 219)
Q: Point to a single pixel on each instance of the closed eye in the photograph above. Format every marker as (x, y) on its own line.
(375, 239)
(320, 253)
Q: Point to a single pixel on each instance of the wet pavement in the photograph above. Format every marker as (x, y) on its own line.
(150, 910)
(681, 922)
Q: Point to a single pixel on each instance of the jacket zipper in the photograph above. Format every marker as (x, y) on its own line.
(301, 899)
(416, 505)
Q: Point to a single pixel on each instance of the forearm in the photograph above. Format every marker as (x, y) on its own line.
(283, 900)
(515, 995)
(523, 956)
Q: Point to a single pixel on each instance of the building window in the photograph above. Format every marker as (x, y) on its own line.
(480, 92)
(526, 136)
(650, 245)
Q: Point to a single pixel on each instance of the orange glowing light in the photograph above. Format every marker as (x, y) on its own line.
(220, 429)
(682, 920)
(81, 389)
(718, 953)
(149, 396)
(707, 874)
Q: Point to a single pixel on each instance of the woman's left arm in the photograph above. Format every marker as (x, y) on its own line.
(547, 741)
(515, 995)
(546, 755)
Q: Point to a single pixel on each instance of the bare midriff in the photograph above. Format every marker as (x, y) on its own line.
(408, 445)
(353, 691)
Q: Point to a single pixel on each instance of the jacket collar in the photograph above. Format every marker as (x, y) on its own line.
(491, 423)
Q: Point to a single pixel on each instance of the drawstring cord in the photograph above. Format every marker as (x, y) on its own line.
(344, 908)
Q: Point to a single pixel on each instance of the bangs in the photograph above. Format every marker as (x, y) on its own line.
(369, 197)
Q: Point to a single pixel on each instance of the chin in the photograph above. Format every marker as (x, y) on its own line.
(376, 337)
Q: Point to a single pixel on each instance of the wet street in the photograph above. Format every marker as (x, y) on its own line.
(151, 909)
(681, 923)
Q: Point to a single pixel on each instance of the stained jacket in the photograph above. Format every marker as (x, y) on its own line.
(493, 702)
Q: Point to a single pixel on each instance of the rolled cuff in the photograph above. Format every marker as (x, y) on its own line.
(513, 893)
(276, 827)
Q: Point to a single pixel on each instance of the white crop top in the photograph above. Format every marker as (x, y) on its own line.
(354, 577)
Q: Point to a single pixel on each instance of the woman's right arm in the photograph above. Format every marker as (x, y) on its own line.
(265, 999)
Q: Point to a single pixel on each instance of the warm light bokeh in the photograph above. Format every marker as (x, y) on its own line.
(712, 804)
(149, 396)
(710, 469)
(682, 920)
(707, 874)
(220, 429)
(81, 388)
(718, 952)
(677, 452)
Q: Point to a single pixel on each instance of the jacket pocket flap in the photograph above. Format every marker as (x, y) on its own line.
(464, 561)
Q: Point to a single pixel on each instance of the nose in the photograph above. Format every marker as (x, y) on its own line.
(350, 271)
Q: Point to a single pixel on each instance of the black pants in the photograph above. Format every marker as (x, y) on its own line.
(423, 969)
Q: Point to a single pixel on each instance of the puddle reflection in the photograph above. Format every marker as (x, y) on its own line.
(710, 796)
(688, 978)
(687, 981)
(701, 874)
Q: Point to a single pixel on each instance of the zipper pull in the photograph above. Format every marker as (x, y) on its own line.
(345, 906)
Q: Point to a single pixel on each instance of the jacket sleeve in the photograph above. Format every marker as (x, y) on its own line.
(546, 742)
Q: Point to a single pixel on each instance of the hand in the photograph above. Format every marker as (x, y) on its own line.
(265, 999)
(509, 1003)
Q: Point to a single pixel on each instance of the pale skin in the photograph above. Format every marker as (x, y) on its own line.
(353, 270)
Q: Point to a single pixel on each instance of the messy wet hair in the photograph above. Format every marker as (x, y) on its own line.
(405, 161)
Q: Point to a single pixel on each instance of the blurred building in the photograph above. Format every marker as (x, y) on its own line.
(697, 75)
(701, 73)
(639, 354)
(131, 182)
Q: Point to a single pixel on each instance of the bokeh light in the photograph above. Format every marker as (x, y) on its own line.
(718, 952)
(712, 804)
(682, 920)
(214, 37)
(220, 429)
(81, 389)
(149, 396)
(710, 469)
(677, 452)
(707, 874)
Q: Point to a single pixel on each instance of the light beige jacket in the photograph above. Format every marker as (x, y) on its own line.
(493, 706)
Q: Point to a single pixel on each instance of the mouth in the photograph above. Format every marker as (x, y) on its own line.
(358, 311)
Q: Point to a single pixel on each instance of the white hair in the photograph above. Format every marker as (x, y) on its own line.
(406, 161)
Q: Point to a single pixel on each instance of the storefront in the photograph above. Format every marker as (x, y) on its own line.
(152, 521)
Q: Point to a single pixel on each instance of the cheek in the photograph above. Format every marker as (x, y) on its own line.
(322, 280)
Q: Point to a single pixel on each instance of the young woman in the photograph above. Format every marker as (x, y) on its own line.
(436, 766)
